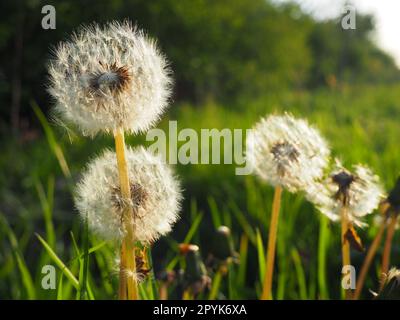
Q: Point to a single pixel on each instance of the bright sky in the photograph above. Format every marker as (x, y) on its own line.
(386, 13)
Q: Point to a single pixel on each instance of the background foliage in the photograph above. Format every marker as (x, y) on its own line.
(233, 62)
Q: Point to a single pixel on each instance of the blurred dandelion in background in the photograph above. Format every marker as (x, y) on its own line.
(347, 197)
(359, 192)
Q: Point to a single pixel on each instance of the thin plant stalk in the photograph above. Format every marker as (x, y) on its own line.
(216, 284)
(128, 285)
(163, 291)
(368, 260)
(388, 246)
(345, 246)
(270, 257)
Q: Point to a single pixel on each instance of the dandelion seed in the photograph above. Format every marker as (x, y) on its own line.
(155, 195)
(287, 152)
(141, 272)
(109, 77)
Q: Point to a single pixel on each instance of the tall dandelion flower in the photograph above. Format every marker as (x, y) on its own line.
(155, 196)
(112, 79)
(108, 78)
(287, 153)
(347, 197)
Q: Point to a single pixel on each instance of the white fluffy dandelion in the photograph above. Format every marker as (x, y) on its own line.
(390, 285)
(285, 151)
(155, 194)
(393, 274)
(359, 192)
(109, 77)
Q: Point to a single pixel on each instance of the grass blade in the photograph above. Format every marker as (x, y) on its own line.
(55, 147)
(193, 229)
(216, 219)
(244, 244)
(59, 262)
(301, 278)
(47, 209)
(60, 288)
(22, 267)
(244, 223)
(261, 256)
(85, 264)
(322, 250)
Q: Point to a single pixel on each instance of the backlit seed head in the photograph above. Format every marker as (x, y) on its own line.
(286, 151)
(391, 285)
(108, 77)
(359, 191)
(155, 196)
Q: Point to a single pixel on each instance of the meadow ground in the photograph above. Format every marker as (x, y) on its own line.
(361, 124)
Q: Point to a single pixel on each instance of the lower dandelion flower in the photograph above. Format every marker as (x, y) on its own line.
(155, 197)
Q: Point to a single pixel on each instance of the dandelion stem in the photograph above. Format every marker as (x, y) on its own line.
(368, 260)
(270, 257)
(128, 285)
(345, 246)
(388, 247)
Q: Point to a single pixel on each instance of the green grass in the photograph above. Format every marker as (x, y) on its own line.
(37, 178)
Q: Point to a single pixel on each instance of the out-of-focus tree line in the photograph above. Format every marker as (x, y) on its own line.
(222, 50)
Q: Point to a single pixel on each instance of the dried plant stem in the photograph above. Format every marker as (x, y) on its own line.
(368, 260)
(345, 246)
(388, 246)
(270, 257)
(128, 285)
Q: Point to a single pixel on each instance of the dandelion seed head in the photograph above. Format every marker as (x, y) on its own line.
(155, 196)
(286, 151)
(393, 273)
(108, 77)
(360, 192)
(390, 283)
